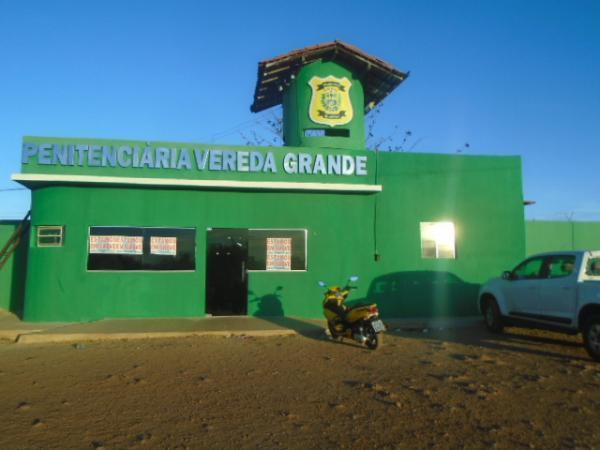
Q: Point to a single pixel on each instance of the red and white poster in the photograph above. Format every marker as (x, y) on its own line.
(117, 245)
(160, 245)
(279, 254)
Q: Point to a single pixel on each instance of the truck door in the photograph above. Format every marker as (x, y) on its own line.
(522, 290)
(558, 290)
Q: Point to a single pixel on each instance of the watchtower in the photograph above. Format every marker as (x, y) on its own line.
(326, 90)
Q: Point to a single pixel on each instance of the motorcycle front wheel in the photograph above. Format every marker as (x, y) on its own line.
(373, 339)
(334, 335)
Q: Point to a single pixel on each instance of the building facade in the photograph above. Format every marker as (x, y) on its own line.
(167, 229)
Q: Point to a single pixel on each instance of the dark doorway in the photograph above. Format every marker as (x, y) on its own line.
(226, 272)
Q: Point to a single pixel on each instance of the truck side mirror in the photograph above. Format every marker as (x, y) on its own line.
(507, 275)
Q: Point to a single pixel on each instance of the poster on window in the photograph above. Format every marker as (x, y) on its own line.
(160, 245)
(117, 245)
(279, 254)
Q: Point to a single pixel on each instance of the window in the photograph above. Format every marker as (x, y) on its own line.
(320, 132)
(560, 266)
(529, 269)
(593, 267)
(50, 236)
(437, 240)
(141, 248)
(277, 250)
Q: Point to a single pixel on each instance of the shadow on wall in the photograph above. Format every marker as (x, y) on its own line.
(18, 270)
(270, 307)
(17, 295)
(423, 294)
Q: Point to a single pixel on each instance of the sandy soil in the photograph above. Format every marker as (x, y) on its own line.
(461, 388)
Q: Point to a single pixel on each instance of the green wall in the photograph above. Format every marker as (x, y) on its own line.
(481, 195)
(547, 236)
(12, 274)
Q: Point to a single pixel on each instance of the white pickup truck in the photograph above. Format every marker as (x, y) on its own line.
(559, 291)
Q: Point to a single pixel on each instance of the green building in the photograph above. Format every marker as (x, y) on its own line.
(169, 229)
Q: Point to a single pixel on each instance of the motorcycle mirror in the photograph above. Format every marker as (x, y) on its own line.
(353, 278)
(322, 284)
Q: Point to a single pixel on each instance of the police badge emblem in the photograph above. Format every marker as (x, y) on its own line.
(330, 101)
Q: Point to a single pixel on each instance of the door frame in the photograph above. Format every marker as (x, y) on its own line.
(234, 303)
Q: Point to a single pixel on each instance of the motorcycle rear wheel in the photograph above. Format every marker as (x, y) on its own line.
(373, 339)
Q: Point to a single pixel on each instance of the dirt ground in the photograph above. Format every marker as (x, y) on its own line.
(456, 388)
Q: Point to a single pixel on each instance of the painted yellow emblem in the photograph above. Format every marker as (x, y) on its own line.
(330, 102)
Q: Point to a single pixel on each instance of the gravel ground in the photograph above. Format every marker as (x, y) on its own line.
(454, 388)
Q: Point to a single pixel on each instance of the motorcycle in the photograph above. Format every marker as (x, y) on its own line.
(360, 323)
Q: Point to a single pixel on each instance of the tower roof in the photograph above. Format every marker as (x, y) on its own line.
(379, 78)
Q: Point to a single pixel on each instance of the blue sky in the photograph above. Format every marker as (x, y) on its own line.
(508, 77)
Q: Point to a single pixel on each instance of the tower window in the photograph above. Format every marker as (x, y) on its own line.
(328, 132)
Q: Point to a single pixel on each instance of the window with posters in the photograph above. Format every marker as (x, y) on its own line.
(141, 248)
(277, 250)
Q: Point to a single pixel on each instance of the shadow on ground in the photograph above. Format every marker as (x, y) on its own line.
(512, 340)
(433, 294)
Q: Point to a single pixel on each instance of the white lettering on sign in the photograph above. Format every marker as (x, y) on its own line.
(117, 245)
(160, 245)
(279, 254)
(150, 157)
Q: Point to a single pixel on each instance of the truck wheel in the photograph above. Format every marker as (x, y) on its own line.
(491, 316)
(591, 337)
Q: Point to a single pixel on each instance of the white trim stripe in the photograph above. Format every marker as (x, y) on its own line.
(179, 182)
